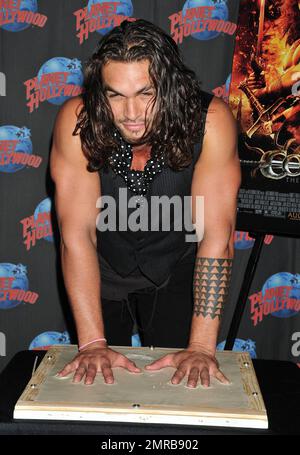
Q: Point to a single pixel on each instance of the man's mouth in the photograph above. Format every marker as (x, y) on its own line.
(133, 126)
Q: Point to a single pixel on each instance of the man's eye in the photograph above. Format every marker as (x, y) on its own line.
(113, 95)
(148, 93)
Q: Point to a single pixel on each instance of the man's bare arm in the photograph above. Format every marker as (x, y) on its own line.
(77, 191)
(216, 178)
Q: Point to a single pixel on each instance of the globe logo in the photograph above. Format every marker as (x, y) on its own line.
(219, 13)
(44, 207)
(135, 340)
(227, 84)
(61, 65)
(46, 339)
(284, 279)
(241, 346)
(20, 281)
(242, 241)
(21, 136)
(25, 5)
(123, 8)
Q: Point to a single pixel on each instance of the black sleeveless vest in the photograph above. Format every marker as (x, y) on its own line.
(155, 253)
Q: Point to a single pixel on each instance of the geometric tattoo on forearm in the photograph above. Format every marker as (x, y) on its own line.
(210, 286)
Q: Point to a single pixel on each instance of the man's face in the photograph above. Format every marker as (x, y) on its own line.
(129, 91)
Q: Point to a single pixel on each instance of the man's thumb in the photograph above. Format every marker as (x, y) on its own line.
(133, 367)
(160, 363)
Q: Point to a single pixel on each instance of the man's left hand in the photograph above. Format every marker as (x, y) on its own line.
(193, 363)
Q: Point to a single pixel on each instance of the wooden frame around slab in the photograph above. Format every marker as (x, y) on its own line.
(251, 413)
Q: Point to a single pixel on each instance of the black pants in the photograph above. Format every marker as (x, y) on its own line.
(169, 324)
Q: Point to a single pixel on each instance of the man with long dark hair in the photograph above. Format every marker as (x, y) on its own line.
(138, 129)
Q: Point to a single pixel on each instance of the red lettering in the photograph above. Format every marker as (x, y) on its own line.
(257, 315)
(175, 19)
(254, 299)
(80, 16)
(30, 240)
(6, 282)
(8, 145)
(28, 223)
(10, 4)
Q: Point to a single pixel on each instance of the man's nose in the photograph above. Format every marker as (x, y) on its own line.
(131, 109)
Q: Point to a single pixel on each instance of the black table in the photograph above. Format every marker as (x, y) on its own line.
(279, 382)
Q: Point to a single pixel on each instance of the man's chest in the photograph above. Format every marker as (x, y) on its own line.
(139, 159)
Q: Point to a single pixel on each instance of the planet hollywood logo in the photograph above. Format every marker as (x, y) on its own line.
(17, 15)
(14, 286)
(38, 226)
(101, 17)
(279, 297)
(243, 241)
(46, 339)
(16, 149)
(136, 340)
(202, 20)
(241, 345)
(223, 90)
(58, 79)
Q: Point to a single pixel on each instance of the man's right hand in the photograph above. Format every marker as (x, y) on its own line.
(91, 361)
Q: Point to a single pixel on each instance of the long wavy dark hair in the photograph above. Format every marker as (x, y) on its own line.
(177, 119)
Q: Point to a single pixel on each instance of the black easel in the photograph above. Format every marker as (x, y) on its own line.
(243, 295)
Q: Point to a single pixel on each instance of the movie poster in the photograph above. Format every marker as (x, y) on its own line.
(264, 97)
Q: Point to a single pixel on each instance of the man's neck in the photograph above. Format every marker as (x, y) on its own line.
(141, 148)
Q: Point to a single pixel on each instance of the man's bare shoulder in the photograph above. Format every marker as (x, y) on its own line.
(69, 111)
(219, 114)
(65, 123)
(220, 138)
(66, 147)
(74, 104)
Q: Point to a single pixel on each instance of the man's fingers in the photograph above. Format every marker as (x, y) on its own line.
(90, 374)
(178, 376)
(122, 361)
(193, 377)
(107, 374)
(204, 375)
(80, 372)
(131, 366)
(221, 377)
(69, 368)
(165, 361)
